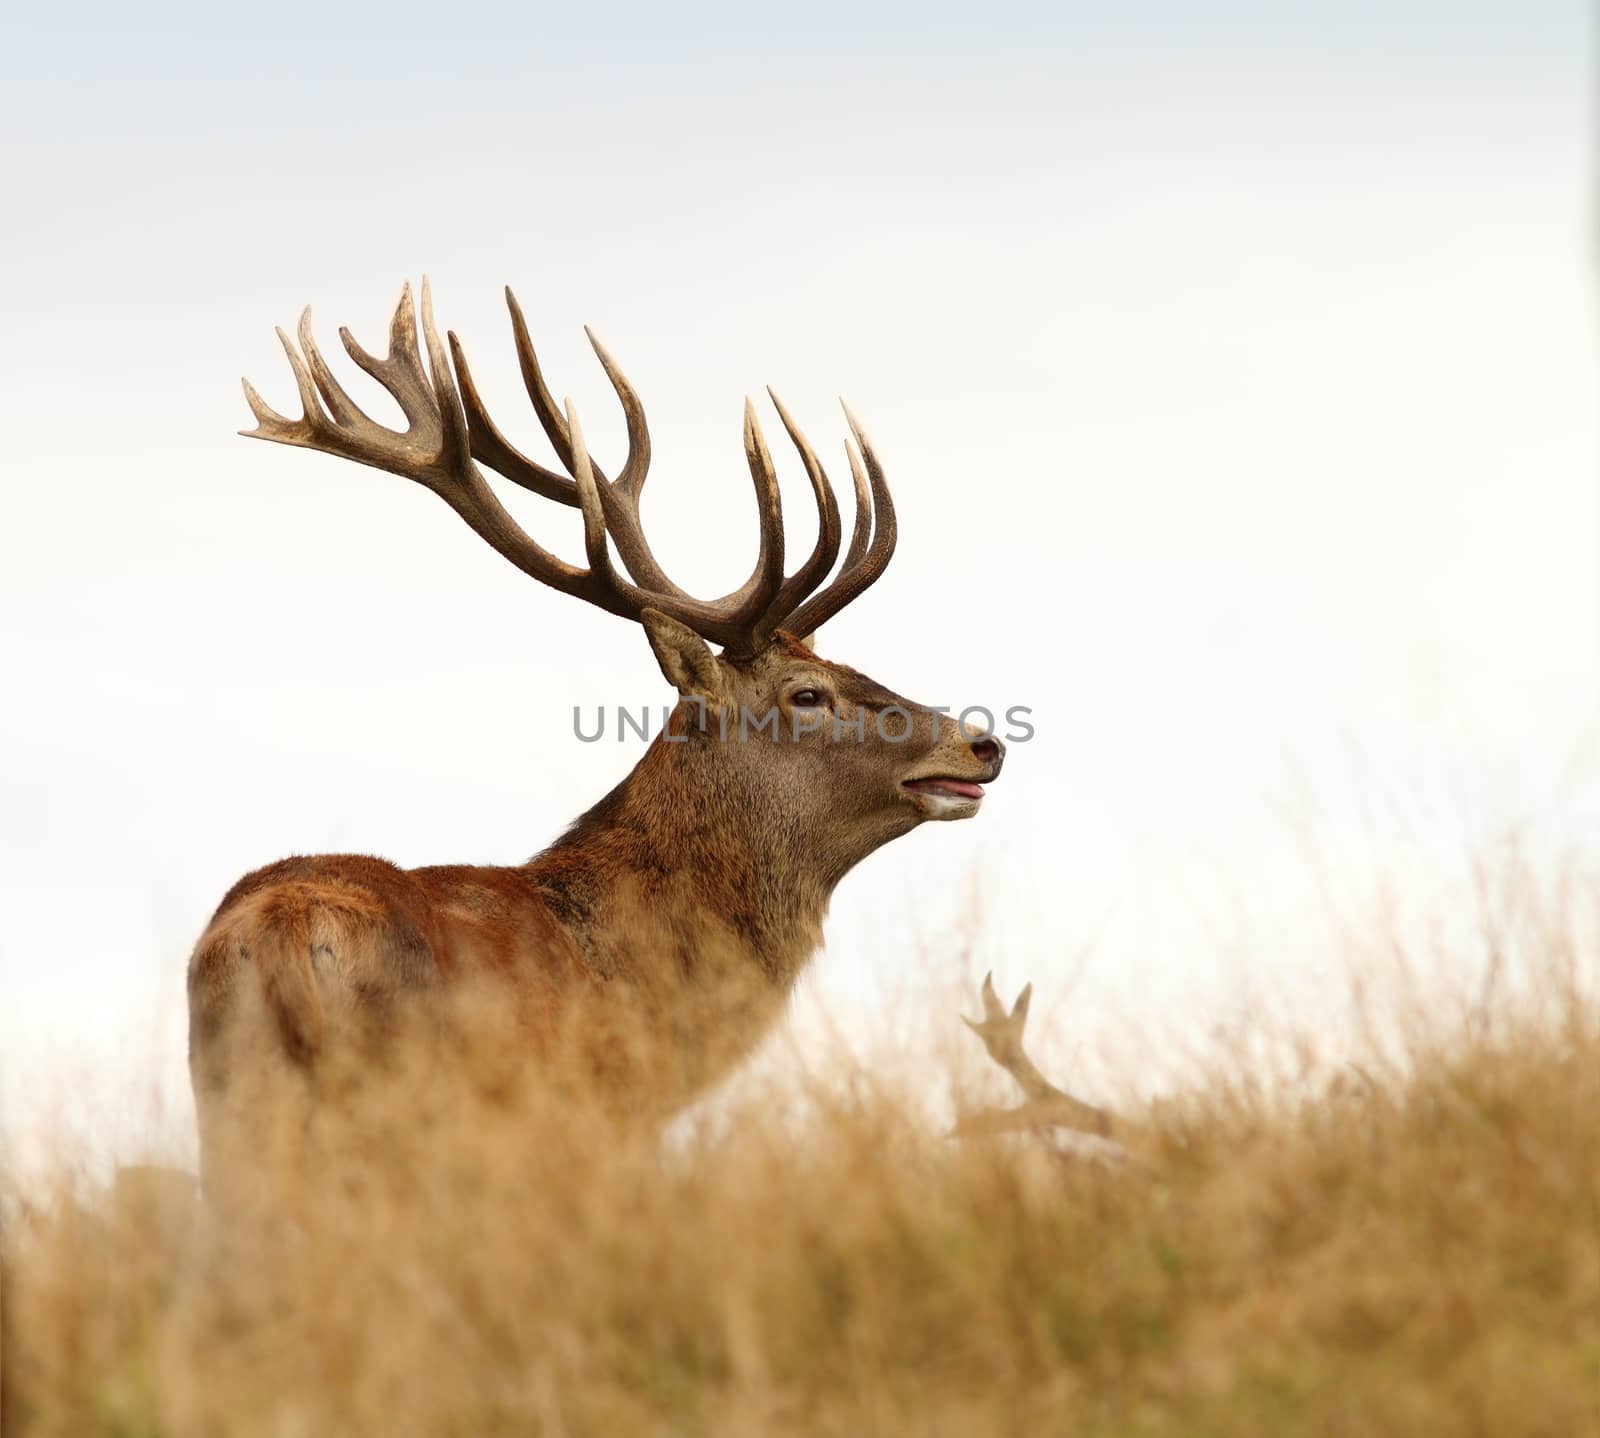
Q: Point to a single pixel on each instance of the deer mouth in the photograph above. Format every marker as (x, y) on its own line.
(940, 796)
(963, 789)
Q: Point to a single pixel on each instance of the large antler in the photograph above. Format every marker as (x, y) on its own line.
(1045, 1105)
(448, 428)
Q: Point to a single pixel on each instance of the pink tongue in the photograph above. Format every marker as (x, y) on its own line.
(952, 786)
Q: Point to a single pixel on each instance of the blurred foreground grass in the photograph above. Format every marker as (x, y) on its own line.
(1404, 1250)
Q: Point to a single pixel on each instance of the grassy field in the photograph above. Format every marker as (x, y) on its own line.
(1405, 1248)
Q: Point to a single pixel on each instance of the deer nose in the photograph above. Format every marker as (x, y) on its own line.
(988, 751)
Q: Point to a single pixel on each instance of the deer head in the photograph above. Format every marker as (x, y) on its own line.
(838, 761)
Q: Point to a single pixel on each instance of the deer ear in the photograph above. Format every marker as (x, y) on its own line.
(685, 658)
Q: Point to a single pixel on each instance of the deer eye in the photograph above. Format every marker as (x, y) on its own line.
(808, 699)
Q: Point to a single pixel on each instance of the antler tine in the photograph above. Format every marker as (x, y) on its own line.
(594, 519)
(457, 445)
(340, 405)
(863, 565)
(799, 584)
(993, 1009)
(861, 529)
(492, 448)
(400, 371)
(1045, 1105)
(636, 468)
(544, 405)
(269, 423)
(746, 613)
(621, 497)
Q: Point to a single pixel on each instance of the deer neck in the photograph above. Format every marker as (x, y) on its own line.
(686, 869)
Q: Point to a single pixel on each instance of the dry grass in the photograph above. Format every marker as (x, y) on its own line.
(1416, 1253)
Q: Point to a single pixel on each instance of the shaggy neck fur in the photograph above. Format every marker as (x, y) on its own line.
(687, 856)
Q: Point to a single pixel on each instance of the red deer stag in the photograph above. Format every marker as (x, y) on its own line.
(692, 895)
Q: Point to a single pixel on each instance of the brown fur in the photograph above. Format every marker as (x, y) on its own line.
(654, 942)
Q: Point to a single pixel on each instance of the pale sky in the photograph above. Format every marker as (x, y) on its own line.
(1234, 368)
